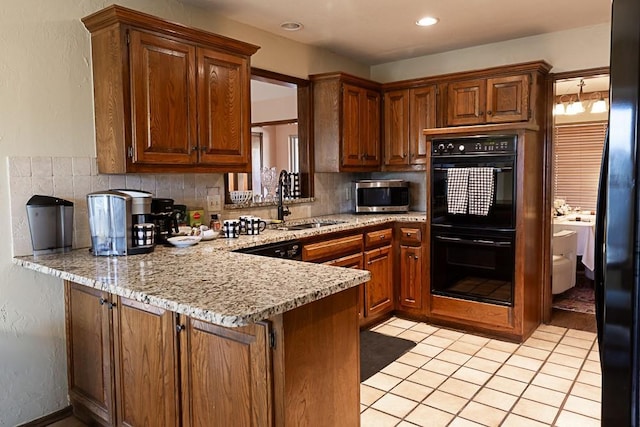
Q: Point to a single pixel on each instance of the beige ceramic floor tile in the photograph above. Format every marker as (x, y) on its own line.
(590, 378)
(461, 422)
(474, 339)
(382, 381)
(426, 349)
(424, 328)
(583, 335)
(558, 330)
(427, 378)
(577, 342)
(515, 373)
(402, 323)
(540, 344)
(368, 394)
(547, 336)
(413, 359)
(505, 346)
(594, 355)
(506, 385)
(389, 330)
(406, 424)
(412, 335)
(363, 408)
(472, 375)
(486, 415)
(491, 354)
(465, 347)
(399, 370)
(534, 353)
(394, 405)
(459, 388)
(563, 359)
(427, 416)
(591, 366)
(437, 341)
(412, 391)
(559, 371)
(445, 401)
(571, 351)
(484, 365)
(535, 411)
(524, 362)
(551, 382)
(587, 391)
(449, 334)
(514, 420)
(544, 395)
(441, 367)
(453, 357)
(495, 399)
(582, 406)
(569, 419)
(373, 418)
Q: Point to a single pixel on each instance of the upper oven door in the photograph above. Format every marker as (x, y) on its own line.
(501, 213)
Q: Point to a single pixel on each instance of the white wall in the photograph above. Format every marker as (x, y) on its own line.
(577, 49)
(46, 110)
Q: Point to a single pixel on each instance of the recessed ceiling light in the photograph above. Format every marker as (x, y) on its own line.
(426, 21)
(291, 26)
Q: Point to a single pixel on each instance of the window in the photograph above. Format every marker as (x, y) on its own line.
(577, 158)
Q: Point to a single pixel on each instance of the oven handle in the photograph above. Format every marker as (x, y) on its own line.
(481, 242)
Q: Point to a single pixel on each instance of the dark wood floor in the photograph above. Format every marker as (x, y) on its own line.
(573, 320)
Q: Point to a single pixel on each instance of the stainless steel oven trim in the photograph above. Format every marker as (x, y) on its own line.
(385, 209)
(381, 183)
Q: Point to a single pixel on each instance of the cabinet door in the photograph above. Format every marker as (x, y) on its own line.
(351, 125)
(163, 100)
(370, 128)
(352, 261)
(89, 358)
(396, 127)
(508, 99)
(223, 109)
(465, 102)
(379, 290)
(422, 104)
(146, 365)
(411, 276)
(226, 376)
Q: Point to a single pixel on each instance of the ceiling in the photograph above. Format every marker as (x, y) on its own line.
(379, 31)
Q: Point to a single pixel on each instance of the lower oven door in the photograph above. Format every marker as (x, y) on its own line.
(475, 265)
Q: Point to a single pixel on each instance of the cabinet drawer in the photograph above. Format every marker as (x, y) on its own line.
(331, 249)
(349, 261)
(410, 236)
(378, 238)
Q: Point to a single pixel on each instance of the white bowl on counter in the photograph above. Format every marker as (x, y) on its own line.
(184, 241)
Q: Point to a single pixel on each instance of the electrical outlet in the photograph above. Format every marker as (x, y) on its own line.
(347, 194)
(214, 204)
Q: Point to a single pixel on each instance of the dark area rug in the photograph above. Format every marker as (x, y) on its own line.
(577, 299)
(379, 350)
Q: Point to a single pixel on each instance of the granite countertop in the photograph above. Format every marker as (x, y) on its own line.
(210, 283)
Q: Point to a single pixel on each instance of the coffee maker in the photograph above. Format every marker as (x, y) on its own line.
(120, 222)
(164, 217)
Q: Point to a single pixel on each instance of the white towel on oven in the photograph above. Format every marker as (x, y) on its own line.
(480, 190)
(457, 190)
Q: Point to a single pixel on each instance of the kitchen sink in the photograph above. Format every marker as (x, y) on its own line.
(307, 225)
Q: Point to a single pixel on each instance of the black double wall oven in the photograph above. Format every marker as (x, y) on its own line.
(473, 220)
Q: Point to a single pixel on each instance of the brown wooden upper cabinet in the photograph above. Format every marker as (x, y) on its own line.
(168, 98)
(491, 100)
(406, 113)
(346, 123)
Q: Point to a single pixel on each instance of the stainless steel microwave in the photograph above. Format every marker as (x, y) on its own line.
(381, 195)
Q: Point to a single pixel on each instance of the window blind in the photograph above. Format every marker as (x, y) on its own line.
(577, 157)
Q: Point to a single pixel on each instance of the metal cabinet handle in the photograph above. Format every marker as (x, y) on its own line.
(194, 148)
(381, 237)
(404, 155)
(111, 305)
(179, 328)
(489, 113)
(409, 234)
(102, 301)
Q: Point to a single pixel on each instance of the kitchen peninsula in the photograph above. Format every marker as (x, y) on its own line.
(211, 336)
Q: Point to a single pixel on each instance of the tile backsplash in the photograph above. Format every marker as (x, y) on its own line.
(72, 178)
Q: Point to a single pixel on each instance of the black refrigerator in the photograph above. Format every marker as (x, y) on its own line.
(618, 228)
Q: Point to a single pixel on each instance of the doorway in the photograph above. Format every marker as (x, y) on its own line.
(579, 102)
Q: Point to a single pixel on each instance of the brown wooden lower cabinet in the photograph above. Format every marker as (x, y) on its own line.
(132, 364)
(411, 277)
(379, 290)
(352, 261)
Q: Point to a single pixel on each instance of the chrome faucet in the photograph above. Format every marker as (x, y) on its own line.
(283, 185)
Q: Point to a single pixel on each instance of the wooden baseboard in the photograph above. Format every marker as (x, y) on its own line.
(50, 419)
